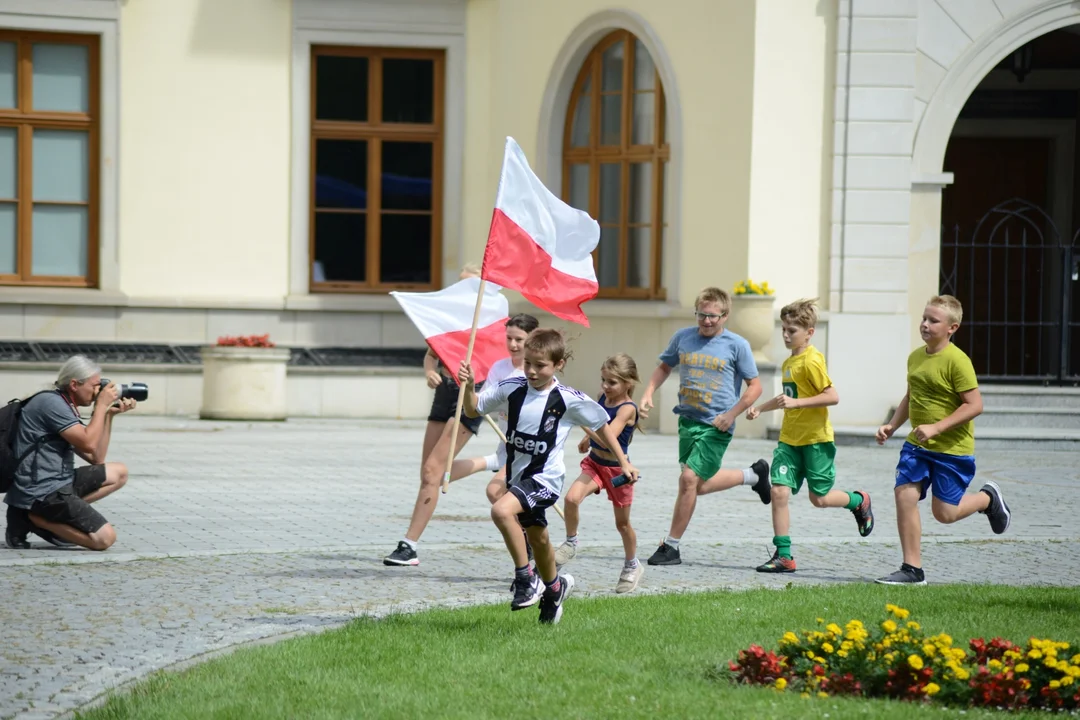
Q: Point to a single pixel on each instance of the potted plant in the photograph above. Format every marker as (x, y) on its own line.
(752, 315)
(244, 379)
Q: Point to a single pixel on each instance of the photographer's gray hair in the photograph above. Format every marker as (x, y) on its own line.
(78, 368)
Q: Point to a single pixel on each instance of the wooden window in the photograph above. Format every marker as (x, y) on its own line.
(49, 100)
(376, 169)
(615, 163)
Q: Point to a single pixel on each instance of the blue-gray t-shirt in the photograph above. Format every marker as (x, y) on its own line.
(712, 372)
(48, 414)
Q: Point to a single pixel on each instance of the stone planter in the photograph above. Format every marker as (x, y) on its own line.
(244, 383)
(752, 317)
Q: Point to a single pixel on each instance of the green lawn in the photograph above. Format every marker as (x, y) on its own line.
(646, 656)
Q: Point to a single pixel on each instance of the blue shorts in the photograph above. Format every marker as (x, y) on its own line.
(949, 475)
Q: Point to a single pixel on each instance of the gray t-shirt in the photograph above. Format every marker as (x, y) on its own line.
(711, 372)
(48, 414)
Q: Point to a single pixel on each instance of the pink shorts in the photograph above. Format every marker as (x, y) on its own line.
(602, 474)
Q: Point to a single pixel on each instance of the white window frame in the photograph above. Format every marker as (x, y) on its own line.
(101, 18)
(398, 25)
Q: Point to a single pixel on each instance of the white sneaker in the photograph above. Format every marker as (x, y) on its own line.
(565, 553)
(629, 579)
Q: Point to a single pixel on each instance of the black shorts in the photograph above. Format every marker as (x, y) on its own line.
(535, 498)
(66, 505)
(444, 406)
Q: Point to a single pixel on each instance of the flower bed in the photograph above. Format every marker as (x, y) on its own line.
(896, 659)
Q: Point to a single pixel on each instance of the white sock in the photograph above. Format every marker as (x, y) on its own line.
(672, 542)
(749, 477)
(572, 539)
(411, 543)
(631, 564)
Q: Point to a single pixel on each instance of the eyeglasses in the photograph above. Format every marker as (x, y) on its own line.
(709, 316)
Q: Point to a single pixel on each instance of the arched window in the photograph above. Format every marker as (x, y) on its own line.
(615, 160)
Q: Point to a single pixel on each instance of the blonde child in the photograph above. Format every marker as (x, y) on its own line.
(540, 413)
(714, 365)
(806, 450)
(600, 469)
(942, 400)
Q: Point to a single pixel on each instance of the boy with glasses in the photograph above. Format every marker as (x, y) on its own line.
(715, 364)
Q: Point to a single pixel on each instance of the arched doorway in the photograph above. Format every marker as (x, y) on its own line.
(1010, 246)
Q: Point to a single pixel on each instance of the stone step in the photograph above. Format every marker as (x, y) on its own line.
(1010, 396)
(1049, 418)
(1017, 438)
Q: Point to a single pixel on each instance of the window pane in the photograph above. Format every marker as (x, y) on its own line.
(644, 70)
(639, 257)
(579, 132)
(579, 187)
(61, 77)
(59, 244)
(665, 193)
(612, 67)
(408, 91)
(405, 242)
(610, 193)
(341, 173)
(60, 161)
(640, 192)
(611, 119)
(340, 247)
(406, 175)
(8, 87)
(608, 257)
(9, 165)
(8, 239)
(341, 88)
(644, 115)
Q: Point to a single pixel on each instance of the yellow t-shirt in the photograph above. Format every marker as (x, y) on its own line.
(804, 376)
(934, 386)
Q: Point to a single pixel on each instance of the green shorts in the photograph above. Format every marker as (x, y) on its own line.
(815, 463)
(701, 447)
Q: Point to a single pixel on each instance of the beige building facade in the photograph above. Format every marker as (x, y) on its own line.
(250, 167)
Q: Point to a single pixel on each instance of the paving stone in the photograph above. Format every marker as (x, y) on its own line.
(233, 532)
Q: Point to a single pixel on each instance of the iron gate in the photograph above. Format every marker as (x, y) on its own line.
(1019, 282)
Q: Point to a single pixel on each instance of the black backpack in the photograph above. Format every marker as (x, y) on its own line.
(9, 427)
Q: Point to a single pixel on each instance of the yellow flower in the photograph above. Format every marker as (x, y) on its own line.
(994, 664)
(1067, 680)
(913, 626)
(790, 638)
(1034, 654)
(834, 629)
(888, 626)
(929, 650)
(781, 683)
(1075, 659)
(962, 674)
(915, 662)
(1021, 667)
(1054, 684)
(958, 654)
(932, 688)
(805, 695)
(822, 694)
(810, 654)
(820, 660)
(842, 653)
(827, 647)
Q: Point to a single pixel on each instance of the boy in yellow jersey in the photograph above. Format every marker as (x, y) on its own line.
(806, 450)
(942, 399)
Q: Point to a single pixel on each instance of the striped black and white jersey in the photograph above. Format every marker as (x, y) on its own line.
(538, 423)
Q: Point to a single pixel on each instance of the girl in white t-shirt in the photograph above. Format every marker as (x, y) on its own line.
(517, 329)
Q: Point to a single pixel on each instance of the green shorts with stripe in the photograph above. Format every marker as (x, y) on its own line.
(814, 463)
(701, 447)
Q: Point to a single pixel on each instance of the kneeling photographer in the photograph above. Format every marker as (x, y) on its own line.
(49, 496)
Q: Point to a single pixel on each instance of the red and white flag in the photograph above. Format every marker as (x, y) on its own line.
(538, 244)
(445, 318)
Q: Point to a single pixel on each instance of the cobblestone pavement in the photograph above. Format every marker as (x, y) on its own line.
(230, 533)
